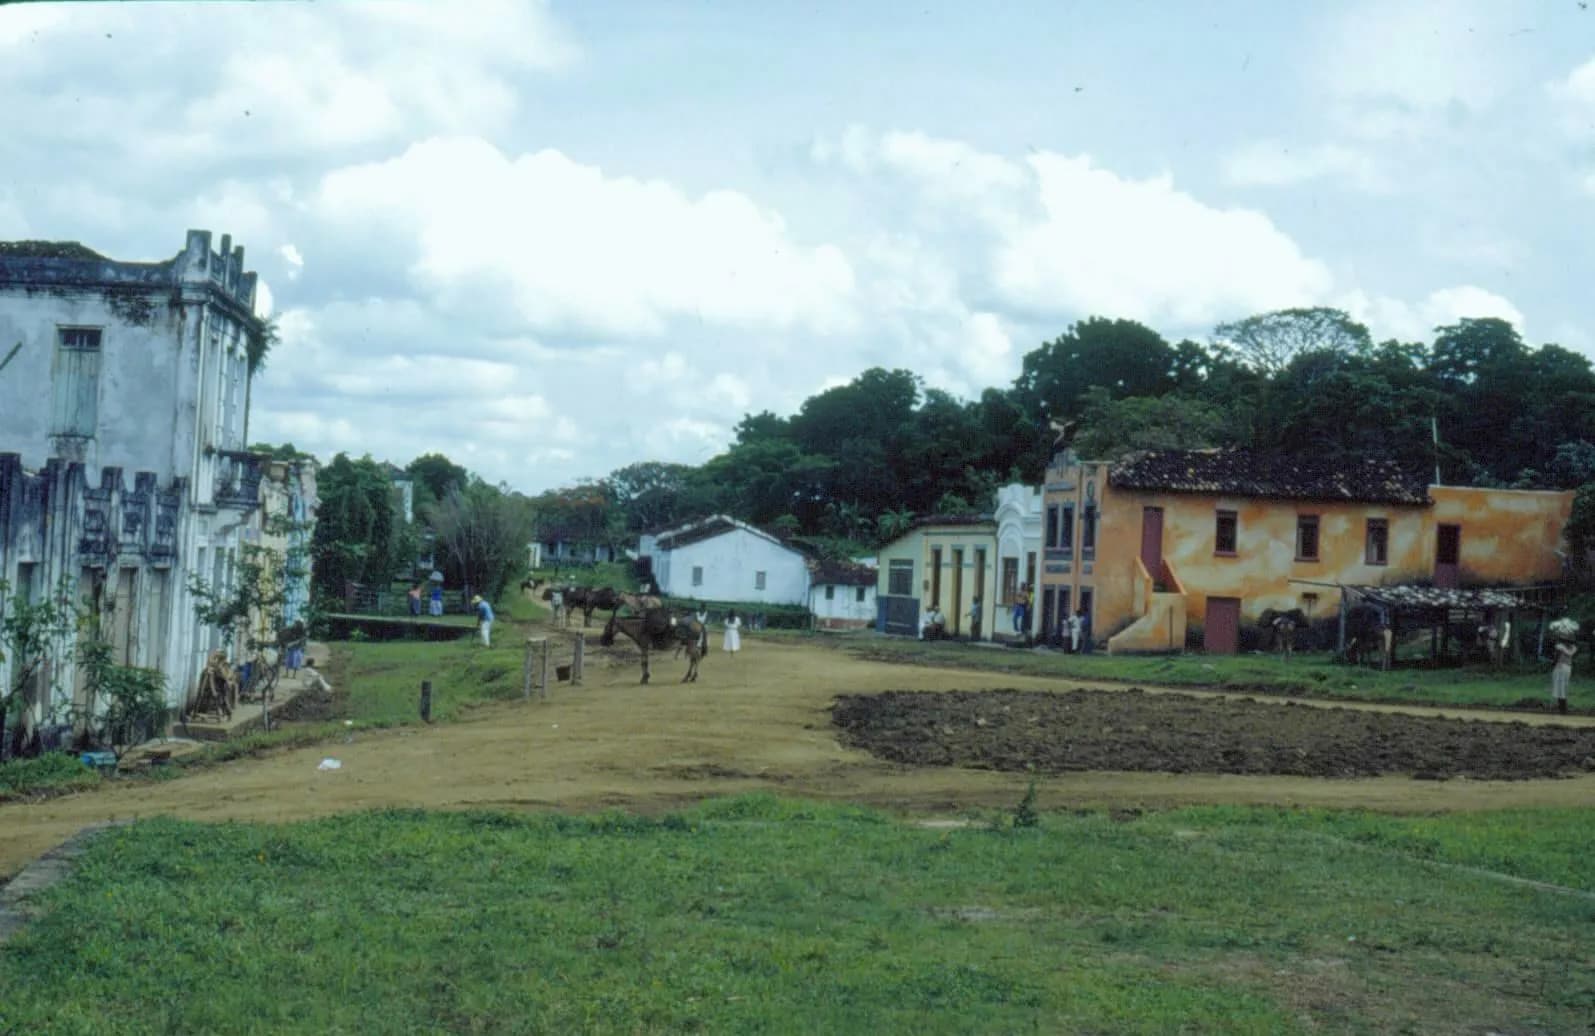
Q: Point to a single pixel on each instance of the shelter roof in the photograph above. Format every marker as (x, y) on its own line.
(1242, 472)
(841, 573)
(1417, 596)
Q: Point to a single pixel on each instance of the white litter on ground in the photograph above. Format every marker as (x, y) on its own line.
(330, 763)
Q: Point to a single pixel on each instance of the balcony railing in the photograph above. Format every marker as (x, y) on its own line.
(238, 475)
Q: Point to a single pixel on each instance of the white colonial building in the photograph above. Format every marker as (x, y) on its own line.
(721, 559)
(124, 414)
(1019, 517)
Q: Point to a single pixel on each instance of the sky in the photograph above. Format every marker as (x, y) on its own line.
(553, 239)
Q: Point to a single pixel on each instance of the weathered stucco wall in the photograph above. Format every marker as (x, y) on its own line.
(958, 585)
(1507, 536)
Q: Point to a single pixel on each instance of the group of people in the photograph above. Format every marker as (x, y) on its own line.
(732, 640)
(434, 605)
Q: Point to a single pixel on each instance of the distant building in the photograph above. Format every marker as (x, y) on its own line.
(1018, 518)
(1211, 538)
(124, 415)
(842, 595)
(945, 561)
(721, 559)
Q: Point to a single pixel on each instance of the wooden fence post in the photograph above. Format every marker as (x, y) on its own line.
(426, 701)
(526, 669)
(578, 659)
(543, 678)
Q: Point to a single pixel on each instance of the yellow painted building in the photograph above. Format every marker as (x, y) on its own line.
(945, 561)
(1159, 541)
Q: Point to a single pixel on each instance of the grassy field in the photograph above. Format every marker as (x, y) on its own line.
(758, 914)
(1315, 675)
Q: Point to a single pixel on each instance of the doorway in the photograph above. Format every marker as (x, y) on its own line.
(957, 609)
(1222, 633)
(1447, 555)
(1152, 542)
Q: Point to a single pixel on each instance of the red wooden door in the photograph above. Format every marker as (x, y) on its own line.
(1222, 635)
(1152, 541)
(1447, 554)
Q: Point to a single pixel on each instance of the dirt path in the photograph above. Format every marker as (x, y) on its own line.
(761, 721)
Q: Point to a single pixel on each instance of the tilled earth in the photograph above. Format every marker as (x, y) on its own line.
(1057, 732)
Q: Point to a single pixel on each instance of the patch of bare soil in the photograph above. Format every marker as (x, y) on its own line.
(1051, 732)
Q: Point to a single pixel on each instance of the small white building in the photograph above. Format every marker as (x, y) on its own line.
(721, 559)
(1019, 517)
(842, 595)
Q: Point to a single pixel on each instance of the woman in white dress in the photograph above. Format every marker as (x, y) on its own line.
(733, 641)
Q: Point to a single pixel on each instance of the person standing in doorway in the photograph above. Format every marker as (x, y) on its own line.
(1021, 609)
(1562, 671)
(436, 607)
(1074, 633)
(974, 619)
(484, 620)
(733, 635)
(1085, 631)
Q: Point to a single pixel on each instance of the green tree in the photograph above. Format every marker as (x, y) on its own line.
(358, 535)
(1121, 356)
(1268, 342)
(1112, 427)
(482, 531)
(435, 475)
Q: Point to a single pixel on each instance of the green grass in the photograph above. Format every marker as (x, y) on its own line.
(53, 771)
(759, 914)
(1315, 675)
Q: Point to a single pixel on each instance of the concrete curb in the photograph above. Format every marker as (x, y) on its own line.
(16, 910)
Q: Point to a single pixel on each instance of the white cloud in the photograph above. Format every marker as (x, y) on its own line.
(1414, 54)
(1272, 163)
(295, 261)
(571, 248)
(1146, 250)
(1416, 321)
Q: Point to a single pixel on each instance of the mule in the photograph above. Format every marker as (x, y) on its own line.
(658, 630)
(1281, 627)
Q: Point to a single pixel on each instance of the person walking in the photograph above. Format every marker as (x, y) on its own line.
(414, 594)
(733, 635)
(1562, 671)
(484, 620)
(436, 606)
(1021, 609)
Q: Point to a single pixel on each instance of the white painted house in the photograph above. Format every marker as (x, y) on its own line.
(842, 595)
(125, 411)
(1018, 516)
(721, 559)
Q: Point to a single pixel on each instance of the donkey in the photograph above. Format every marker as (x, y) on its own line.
(658, 630)
(1281, 627)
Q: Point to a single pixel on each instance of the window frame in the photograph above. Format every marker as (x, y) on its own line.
(1009, 580)
(1303, 523)
(1382, 526)
(697, 575)
(1220, 515)
(830, 591)
(904, 568)
(758, 580)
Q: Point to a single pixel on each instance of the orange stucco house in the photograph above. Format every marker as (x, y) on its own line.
(1161, 540)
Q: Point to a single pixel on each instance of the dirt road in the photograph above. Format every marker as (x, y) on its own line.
(760, 721)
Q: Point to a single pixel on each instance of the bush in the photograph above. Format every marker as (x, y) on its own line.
(51, 770)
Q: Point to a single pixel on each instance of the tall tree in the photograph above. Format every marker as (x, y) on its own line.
(483, 532)
(355, 538)
(1121, 356)
(1268, 342)
(436, 474)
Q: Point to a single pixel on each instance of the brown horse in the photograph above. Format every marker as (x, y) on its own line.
(658, 630)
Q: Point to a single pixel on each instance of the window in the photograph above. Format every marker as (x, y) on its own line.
(900, 578)
(1066, 531)
(1030, 571)
(1010, 579)
(75, 382)
(1307, 537)
(758, 580)
(697, 575)
(1225, 527)
(1448, 545)
(1052, 526)
(830, 593)
(858, 594)
(1376, 549)
(1088, 532)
